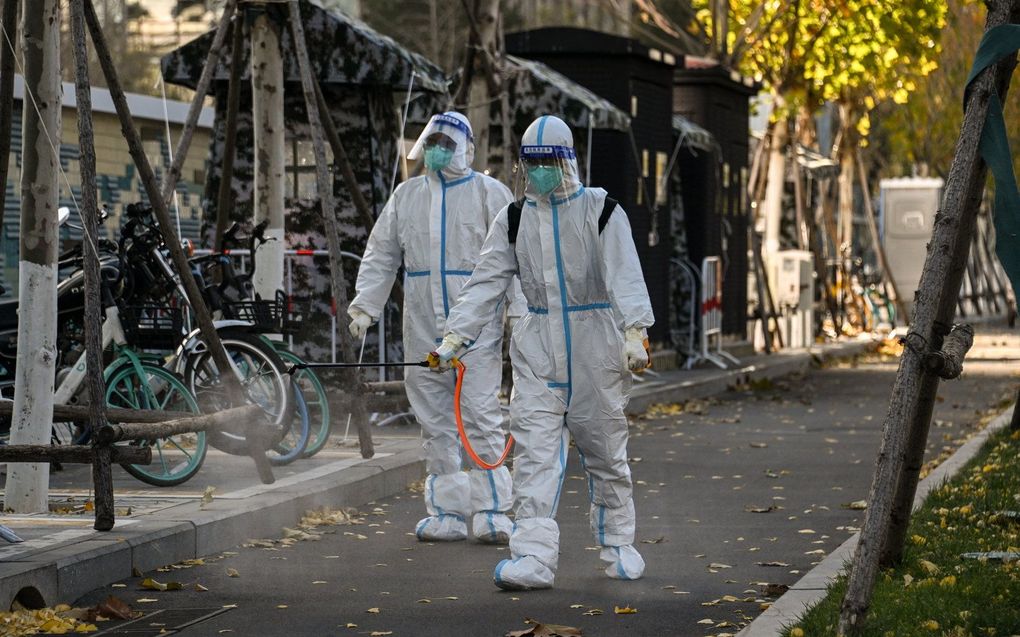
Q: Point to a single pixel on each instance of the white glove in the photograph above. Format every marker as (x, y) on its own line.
(635, 349)
(441, 359)
(360, 322)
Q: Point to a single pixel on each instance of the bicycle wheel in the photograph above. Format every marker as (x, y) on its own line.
(307, 383)
(296, 438)
(264, 381)
(177, 458)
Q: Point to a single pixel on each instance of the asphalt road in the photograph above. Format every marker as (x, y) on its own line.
(731, 494)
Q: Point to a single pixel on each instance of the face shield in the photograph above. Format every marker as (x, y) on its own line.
(546, 172)
(548, 166)
(445, 145)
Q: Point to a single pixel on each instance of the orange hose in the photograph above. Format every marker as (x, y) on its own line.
(461, 369)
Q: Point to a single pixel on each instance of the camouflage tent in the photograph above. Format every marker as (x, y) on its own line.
(536, 89)
(364, 77)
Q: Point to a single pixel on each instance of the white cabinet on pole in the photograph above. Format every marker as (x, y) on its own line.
(793, 285)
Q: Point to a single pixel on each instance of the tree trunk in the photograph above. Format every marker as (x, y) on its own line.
(224, 199)
(10, 19)
(913, 392)
(27, 484)
(191, 121)
(270, 150)
(776, 182)
(325, 188)
(480, 96)
(90, 222)
(883, 261)
(845, 152)
(159, 206)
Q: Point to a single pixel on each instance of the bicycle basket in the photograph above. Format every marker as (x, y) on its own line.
(152, 326)
(278, 316)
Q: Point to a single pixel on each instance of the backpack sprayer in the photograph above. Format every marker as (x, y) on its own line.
(431, 361)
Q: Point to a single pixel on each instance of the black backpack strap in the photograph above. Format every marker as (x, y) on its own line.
(513, 218)
(607, 211)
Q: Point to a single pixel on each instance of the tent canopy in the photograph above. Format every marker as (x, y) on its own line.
(342, 50)
(536, 89)
(694, 136)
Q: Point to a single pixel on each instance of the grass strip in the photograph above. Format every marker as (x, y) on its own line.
(935, 591)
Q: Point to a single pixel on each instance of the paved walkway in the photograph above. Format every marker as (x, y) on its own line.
(736, 496)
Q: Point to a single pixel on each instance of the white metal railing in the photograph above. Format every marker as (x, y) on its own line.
(290, 256)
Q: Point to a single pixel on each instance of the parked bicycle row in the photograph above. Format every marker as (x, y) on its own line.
(154, 359)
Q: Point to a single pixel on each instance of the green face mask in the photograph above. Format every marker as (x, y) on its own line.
(545, 178)
(437, 157)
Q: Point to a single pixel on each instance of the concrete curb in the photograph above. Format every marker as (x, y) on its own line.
(811, 588)
(65, 571)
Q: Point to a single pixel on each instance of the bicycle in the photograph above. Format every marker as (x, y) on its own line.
(133, 380)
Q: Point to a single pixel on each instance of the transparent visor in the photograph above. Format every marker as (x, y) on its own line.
(443, 144)
(546, 172)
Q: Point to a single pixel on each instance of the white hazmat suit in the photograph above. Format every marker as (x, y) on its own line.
(585, 291)
(435, 225)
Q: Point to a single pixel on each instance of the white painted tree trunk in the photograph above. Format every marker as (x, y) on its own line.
(28, 484)
(775, 185)
(267, 108)
(479, 97)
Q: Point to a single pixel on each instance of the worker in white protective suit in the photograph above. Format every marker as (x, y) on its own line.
(572, 354)
(435, 225)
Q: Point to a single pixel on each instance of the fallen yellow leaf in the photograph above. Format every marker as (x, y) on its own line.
(373, 610)
(626, 610)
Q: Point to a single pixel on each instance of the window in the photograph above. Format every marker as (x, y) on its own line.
(300, 169)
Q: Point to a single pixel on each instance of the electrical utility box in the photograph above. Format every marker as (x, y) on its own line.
(793, 282)
(907, 208)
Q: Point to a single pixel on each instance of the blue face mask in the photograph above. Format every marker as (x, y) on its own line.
(437, 157)
(545, 178)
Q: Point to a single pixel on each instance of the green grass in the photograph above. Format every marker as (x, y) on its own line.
(935, 592)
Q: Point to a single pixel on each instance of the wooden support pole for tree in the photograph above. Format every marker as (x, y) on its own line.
(224, 202)
(102, 487)
(947, 363)
(159, 206)
(68, 413)
(90, 223)
(325, 187)
(913, 393)
(191, 121)
(10, 22)
(883, 261)
(188, 424)
(341, 159)
(72, 454)
(972, 195)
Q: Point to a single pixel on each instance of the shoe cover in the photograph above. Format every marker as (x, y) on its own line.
(624, 562)
(441, 528)
(491, 527)
(522, 574)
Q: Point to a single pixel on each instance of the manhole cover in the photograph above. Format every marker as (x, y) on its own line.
(167, 621)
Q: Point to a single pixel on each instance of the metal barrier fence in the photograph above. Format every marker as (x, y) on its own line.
(711, 316)
(243, 257)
